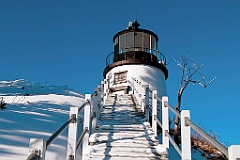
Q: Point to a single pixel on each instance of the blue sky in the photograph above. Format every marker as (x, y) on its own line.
(66, 43)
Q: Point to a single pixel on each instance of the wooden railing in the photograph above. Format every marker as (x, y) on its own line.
(149, 101)
(91, 111)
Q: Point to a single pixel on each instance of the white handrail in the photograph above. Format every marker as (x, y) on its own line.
(233, 152)
(213, 141)
(72, 133)
(92, 107)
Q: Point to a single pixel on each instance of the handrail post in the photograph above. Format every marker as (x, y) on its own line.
(72, 133)
(134, 86)
(147, 103)
(102, 95)
(154, 111)
(105, 91)
(86, 123)
(165, 123)
(37, 147)
(234, 152)
(139, 95)
(138, 91)
(185, 135)
(99, 102)
(94, 108)
(143, 102)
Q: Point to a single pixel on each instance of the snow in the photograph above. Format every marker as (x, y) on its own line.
(36, 116)
(21, 87)
(39, 116)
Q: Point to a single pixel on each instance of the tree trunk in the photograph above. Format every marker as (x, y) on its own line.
(177, 119)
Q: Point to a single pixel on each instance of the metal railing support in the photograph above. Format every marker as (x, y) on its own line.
(58, 131)
(72, 133)
(165, 123)
(105, 91)
(234, 152)
(154, 111)
(147, 103)
(185, 136)
(174, 144)
(80, 139)
(37, 148)
(86, 124)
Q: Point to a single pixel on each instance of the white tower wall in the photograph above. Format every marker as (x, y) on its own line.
(147, 75)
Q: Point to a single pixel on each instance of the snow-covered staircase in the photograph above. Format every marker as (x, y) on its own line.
(122, 133)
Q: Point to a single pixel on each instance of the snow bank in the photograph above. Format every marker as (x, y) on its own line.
(35, 116)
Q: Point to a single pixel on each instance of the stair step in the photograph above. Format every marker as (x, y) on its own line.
(106, 157)
(114, 113)
(144, 125)
(137, 144)
(128, 142)
(132, 115)
(122, 133)
(158, 150)
(114, 130)
(123, 139)
(122, 120)
(120, 106)
(123, 117)
(126, 152)
(117, 135)
(118, 129)
(129, 131)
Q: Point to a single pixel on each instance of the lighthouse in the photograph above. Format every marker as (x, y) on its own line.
(135, 56)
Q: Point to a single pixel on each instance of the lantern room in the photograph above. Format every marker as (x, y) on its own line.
(135, 56)
(135, 39)
(135, 45)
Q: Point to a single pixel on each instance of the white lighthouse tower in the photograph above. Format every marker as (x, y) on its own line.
(135, 57)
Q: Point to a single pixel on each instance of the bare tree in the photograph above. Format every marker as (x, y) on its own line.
(190, 74)
(207, 149)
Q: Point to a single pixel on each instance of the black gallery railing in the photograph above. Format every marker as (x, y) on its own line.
(136, 53)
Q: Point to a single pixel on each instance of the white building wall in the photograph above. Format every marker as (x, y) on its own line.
(146, 74)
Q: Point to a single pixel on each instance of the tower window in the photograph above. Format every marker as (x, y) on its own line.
(120, 77)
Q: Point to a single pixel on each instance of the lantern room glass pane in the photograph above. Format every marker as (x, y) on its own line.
(129, 41)
(135, 41)
(116, 45)
(146, 41)
(138, 41)
(122, 42)
(153, 44)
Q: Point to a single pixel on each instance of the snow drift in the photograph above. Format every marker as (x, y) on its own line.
(34, 111)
